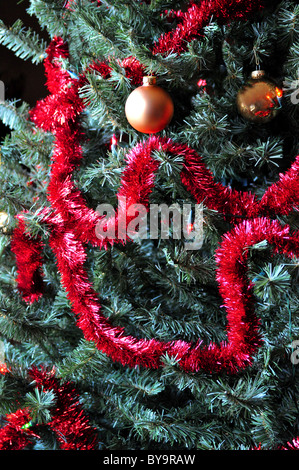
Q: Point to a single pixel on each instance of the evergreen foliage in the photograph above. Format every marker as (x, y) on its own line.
(154, 288)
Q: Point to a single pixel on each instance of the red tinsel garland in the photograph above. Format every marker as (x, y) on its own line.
(198, 16)
(191, 25)
(60, 113)
(68, 419)
(294, 445)
(12, 436)
(72, 223)
(242, 329)
(29, 263)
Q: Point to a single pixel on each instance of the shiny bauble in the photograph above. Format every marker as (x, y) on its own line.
(149, 108)
(259, 100)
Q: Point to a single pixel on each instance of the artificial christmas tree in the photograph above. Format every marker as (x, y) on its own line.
(160, 332)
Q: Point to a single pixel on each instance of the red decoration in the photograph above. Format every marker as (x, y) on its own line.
(12, 436)
(113, 141)
(198, 16)
(294, 445)
(68, 420)
(191, 24)
(3, 369)
(29, 263)
(134, 70)
(72, 224)
(59, 113)
(201, 83)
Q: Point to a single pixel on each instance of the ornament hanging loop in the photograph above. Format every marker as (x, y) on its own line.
(257, 74)
(257, 60)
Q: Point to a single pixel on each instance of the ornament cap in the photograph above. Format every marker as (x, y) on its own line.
(256, 74)
(149, 80)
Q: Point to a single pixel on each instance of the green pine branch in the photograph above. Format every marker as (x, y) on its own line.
(25, 43)
(13, 116)
(51, 14)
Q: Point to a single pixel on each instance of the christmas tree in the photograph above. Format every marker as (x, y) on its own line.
(149, 228)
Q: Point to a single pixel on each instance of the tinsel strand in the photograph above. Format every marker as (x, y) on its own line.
(72, 224)
(68, 420)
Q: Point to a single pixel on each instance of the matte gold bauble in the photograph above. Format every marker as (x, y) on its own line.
(149, 108)
(260, 99)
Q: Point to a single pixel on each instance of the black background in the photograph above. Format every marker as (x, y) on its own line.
(22, 79)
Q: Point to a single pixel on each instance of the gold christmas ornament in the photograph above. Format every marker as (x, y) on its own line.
(4, 220)
(259, 100)
(149, 108)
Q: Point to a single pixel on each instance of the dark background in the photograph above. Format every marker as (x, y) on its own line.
(22, 79)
